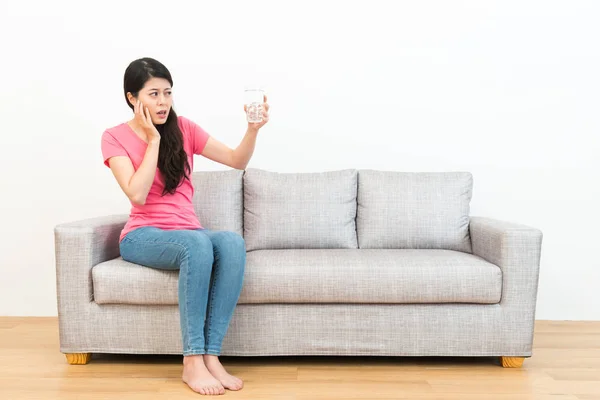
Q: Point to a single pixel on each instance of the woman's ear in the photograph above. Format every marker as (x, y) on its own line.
(131, 98)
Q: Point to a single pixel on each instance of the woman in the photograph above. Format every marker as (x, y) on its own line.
(151, 157)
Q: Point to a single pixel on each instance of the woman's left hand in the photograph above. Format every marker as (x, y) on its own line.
(265, 116)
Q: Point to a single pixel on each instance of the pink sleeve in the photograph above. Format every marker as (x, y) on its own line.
(198, 136)
(111, 147)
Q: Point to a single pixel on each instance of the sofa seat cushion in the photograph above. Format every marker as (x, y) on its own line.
(323, 276)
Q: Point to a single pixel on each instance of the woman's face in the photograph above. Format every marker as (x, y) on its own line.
(156, 95)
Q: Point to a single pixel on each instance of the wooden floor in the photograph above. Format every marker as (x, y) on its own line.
(565, 366)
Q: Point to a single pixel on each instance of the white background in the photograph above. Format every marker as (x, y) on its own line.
(508, 90)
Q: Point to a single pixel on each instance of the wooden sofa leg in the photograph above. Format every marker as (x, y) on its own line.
(512, 362)
(78, 358)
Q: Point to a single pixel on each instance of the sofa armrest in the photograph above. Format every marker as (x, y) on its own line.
(79, 246)
(516, 249)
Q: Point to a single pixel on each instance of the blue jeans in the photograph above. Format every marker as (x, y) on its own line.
(211, 270)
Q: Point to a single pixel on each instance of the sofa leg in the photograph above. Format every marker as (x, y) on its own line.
(78, 358)
(512, 362)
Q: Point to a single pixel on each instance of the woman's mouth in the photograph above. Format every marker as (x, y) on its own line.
(162, 114)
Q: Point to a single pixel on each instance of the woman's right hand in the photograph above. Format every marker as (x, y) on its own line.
(144, 120)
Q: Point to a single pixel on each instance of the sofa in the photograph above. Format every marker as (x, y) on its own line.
(344, 262)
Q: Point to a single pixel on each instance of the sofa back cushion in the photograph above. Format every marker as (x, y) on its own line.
(300, 210)
(414, 210)
(218, 199)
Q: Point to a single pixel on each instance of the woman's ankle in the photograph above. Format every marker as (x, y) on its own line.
(193, 359)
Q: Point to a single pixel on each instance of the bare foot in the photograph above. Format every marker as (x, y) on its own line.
(198, 378)
(218, 371)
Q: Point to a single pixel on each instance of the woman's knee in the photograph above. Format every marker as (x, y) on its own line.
(231, 241)
(195, 244)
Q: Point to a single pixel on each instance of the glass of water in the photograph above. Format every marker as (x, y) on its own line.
(254, 99)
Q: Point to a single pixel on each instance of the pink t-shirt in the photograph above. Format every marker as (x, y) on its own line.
(171, 211)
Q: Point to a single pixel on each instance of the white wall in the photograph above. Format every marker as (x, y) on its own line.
(507, 90)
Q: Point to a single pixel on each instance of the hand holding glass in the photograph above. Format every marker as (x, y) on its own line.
(254, 99)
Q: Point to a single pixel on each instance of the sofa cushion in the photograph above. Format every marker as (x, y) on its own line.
(414, 210)
(300, 210)
(323, 276)
(218, 199)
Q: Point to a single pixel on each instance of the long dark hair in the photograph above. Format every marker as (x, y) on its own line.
(172, 158)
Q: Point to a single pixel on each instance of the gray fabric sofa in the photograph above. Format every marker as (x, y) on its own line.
(349, 262)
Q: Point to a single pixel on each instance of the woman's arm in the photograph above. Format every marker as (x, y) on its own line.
(239, 157)
(136, 184)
